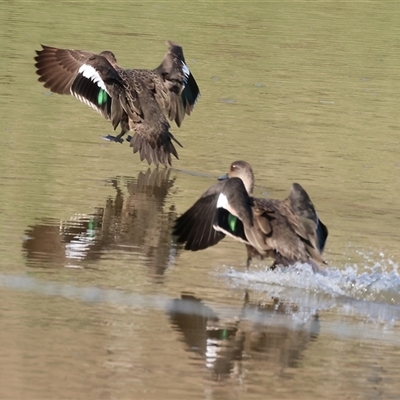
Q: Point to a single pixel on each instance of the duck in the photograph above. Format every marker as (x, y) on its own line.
(288, 231)
(139, 100)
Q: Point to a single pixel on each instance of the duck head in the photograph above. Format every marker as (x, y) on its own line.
(241, 169)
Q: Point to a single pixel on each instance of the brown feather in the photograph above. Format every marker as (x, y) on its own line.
(139, 100)
(289, 231)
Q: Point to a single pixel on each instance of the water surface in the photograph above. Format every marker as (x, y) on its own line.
(99, 302)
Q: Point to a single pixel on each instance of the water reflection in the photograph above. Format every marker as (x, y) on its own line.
(264, 336)
(133, 222)
(64, 243)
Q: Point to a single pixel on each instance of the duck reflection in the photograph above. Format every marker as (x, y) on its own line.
(132, 222)
(264, 338)
(278, 330)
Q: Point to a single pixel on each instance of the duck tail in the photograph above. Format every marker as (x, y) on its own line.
(154, 152)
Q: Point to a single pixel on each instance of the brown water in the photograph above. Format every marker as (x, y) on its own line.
(97, 301)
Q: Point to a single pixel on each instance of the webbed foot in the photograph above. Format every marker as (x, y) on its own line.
(111, 138)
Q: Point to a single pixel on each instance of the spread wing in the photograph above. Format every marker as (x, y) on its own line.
(273, 232)
(306, 222)
(194, 228)
(176, 89)
(89, 77)
(139, 100)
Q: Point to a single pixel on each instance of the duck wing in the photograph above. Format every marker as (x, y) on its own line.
(234, 213)
(89, 77)
(305, 221)
(175, 87)
(194, 228)
(273, 232)
(223, 209)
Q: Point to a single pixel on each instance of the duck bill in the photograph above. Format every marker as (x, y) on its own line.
(223, 177)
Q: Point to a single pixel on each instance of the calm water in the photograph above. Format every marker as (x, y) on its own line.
(98, 302)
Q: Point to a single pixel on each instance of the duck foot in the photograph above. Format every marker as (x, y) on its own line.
(248, 263)
(273, 266)
(111, 138)
(119, 139)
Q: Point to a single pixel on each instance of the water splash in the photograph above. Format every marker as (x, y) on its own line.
(379, 281)
(371, 291)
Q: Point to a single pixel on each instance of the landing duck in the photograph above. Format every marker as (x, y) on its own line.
(139, 100)
(288, 231)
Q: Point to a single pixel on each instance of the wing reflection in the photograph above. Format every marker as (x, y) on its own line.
(264, 338)
(63, 243)
(136, 221)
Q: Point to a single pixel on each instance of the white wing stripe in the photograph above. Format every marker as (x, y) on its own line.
(90, 73)
(222, 201)
(238, 238)
(186, 72)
